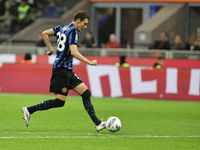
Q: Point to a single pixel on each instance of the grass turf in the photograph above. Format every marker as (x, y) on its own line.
(146, 124)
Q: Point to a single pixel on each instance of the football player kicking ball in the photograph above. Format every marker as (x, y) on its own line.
(63, 78)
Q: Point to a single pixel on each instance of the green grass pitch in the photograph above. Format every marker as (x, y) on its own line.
(146, 124)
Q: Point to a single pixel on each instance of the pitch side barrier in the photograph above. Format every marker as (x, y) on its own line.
(129, 52)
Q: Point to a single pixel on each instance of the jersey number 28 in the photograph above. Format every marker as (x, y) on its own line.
(61, 41)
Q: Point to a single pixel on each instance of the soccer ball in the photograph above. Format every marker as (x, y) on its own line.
(113, 124)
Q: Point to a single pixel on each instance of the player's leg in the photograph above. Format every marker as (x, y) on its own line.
(59, 86)
(83, 91)
(59, 101)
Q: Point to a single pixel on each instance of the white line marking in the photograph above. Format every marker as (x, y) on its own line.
(76, 135)
(101, 137)
(52, 133)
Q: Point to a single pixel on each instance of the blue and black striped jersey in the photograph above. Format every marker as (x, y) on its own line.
(66, 35)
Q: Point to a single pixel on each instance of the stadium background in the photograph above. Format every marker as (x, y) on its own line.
(178, 80)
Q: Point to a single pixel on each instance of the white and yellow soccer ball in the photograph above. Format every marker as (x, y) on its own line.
(113, 124)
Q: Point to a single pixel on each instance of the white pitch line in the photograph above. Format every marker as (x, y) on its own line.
(96, 135)
(77, 136)
(52, 133)
(84, 137)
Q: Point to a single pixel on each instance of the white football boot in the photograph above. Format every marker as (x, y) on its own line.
(26, 114)
(101, 126)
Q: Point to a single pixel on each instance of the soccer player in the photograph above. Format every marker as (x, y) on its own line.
(63, 78)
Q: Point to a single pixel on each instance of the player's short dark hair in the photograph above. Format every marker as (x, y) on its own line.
(81, 15)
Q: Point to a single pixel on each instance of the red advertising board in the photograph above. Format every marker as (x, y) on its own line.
(108, 81)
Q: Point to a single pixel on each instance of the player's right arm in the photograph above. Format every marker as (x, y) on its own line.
(79, 56)
(46, 36)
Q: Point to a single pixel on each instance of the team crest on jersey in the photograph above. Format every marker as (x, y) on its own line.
(76, 38)
(64, 90)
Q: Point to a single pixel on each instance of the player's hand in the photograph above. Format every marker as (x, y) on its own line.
(50, 52)
(93, 62)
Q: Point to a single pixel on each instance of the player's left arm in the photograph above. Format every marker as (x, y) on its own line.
(79, 56)
(46, 36)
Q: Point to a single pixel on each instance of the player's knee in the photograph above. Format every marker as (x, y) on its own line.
(86, 97)
(60, 103)
(86, 94)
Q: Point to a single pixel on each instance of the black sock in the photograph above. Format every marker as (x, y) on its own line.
(46, 105)
(89, 107)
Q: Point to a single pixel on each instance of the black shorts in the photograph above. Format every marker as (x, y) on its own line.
(63, 80)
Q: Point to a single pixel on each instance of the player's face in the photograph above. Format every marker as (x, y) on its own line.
(82, 24)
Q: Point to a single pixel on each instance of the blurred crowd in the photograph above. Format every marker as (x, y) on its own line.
(163, 43)
(17, 14)
(107, 39)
